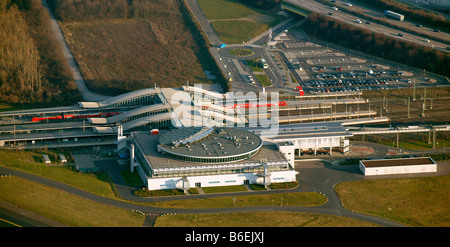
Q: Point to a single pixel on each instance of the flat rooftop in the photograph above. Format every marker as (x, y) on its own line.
(304, 130)
(209, 142)
(148, 145)
(398, 162)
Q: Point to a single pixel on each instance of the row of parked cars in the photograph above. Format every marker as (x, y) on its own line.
(350, 89)
(348, 85)
(362, 74)
(350, 82)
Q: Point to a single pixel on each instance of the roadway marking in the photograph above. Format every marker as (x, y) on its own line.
(10, 222)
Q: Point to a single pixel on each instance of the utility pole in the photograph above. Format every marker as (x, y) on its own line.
(423, 109)
(434, 137)
(398, 137)
(385, 105)
(414, 90)
(409, 102)
(424, 97)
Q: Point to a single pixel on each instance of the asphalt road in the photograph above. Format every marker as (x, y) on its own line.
(318, 7)
(12, 216)
(314, 176)
(317, 176)
(403, 24)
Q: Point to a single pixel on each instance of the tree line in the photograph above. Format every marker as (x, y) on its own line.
(377, 44)
(411, 13)
(85, 10)
(32, 70)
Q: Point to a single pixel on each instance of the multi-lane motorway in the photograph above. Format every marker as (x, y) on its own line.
(316, 6)
(407, 24)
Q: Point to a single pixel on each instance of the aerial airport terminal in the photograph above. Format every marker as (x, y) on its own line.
(178, 138)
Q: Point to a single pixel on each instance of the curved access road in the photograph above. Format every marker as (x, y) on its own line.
(314, 176)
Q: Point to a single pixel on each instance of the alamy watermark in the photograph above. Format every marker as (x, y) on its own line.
(196, 107)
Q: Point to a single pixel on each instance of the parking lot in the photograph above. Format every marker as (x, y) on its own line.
(324, 70)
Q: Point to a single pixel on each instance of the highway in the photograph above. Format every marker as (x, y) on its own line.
(415, 27)
(346, 17)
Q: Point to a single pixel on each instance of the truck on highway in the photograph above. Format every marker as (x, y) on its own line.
(394, 15)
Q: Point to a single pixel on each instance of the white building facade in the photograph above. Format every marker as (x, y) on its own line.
(397, 166)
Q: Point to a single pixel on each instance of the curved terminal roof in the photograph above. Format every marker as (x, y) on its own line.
(147, 120)
(119, 98)
(130, 114)
(209, 143)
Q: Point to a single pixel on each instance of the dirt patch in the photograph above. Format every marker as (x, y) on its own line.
(158, 34)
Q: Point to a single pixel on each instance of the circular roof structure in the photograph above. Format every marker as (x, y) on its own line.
(209, 145)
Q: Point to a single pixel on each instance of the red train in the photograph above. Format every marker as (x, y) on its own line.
(251, 105)
(300, 90)
(75, 115)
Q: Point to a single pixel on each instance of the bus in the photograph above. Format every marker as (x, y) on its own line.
(264, 63)
(295, 64)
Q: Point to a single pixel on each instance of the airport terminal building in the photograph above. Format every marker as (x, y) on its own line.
(206, 157)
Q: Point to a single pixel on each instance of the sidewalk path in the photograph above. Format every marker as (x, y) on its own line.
(55, 28)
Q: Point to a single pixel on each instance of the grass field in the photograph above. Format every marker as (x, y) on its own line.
(78, 212)
(305, 199)
(253, 64)
(412, 201)
(235, 22)
(116, 56)
(224, 9)
(420, 145)
(29, 162)
(263, 79)
(241, 52)
(63, 207)
(238, 31)
(258, 219)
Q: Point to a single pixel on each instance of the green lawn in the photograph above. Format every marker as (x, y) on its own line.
(79, 212)
(259, 219)
(241, 52)
(228, 24)
(224, 9)
(63, 207)
(29, 161)
(411, 201)
(254, 65)
(263, 79)
(305, 199)
(420, 145)
(221, 189)
(238, 31)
